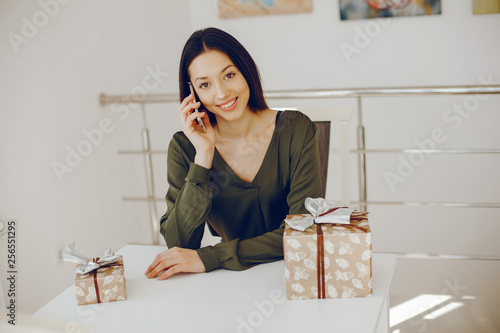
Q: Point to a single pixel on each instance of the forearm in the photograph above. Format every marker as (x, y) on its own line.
(240, 254)
(183, 224)
(262, 249)
(204, 158)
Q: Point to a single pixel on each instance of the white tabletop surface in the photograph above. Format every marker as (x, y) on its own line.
(221, 301)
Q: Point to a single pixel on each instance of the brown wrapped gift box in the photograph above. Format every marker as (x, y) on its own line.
(109, 281)
(343, 268)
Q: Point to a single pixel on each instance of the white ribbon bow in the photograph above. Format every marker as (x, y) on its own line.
(87, 264)
(319, 209)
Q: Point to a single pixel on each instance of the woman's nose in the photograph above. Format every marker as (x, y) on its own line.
(222, 91)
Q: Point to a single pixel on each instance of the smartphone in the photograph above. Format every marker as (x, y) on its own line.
(198, 120)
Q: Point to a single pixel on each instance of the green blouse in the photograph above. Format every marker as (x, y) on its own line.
(247, 216)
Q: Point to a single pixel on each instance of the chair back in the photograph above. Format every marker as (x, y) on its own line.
(323, 118)
(323, 134)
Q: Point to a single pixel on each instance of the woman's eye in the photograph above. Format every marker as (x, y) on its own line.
(230, 75)
(203, 85)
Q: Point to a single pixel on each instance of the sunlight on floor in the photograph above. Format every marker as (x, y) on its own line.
(442, 295)
(414, 307)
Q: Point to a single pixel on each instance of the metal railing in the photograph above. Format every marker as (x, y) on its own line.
(361, 150)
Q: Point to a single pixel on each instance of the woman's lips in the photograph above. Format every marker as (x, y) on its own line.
(229, 106)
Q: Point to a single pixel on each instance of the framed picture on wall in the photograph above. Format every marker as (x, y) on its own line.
(363, 9)
(244, 8)
(486, 6)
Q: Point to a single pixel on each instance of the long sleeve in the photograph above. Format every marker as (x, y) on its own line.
(189, 196)
(304, 181)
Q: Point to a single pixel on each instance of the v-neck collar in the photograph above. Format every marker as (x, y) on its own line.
(264, 161)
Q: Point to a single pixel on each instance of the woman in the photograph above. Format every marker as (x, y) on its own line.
(251, 167)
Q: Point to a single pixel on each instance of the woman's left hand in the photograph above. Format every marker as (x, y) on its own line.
(175, 260)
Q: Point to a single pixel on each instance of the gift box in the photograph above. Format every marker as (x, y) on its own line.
(102, 285)
(98, 280)
(328, 260)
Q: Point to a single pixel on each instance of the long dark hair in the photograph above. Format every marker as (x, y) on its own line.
(215, 39)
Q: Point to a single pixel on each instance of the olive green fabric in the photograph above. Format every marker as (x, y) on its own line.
(248, 216)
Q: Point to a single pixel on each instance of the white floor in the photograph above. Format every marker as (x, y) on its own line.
(445, 295)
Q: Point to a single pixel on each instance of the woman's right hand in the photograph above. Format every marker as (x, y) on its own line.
(204, 143)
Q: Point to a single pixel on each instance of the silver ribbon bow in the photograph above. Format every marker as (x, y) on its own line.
(320, 213)
(87, 264)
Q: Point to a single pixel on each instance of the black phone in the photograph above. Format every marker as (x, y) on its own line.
(198, 120)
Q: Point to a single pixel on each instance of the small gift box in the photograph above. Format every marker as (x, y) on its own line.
(325, 259)
(97, 280)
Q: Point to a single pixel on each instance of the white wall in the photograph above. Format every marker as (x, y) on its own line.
(49, 95)
(304, 51)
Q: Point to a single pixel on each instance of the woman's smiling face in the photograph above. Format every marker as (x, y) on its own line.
(220, 86)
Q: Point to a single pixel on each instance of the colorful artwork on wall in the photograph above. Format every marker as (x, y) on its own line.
(363, 9)
(486, 7)
(245, 8)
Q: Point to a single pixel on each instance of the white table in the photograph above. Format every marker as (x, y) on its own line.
(223, 301)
